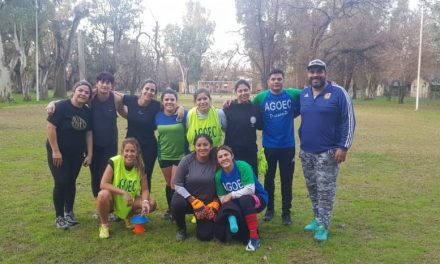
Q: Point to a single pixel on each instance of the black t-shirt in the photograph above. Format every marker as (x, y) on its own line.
(243, 120)
(105, 131)
(71, 124)
(141, 120)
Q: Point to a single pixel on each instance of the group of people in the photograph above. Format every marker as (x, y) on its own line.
(216, 183)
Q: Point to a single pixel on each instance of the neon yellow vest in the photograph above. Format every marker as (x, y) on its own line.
(210, 126)
(127, 180)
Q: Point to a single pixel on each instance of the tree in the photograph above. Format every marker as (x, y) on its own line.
(188, 43)
(63, 43)
(264, 25)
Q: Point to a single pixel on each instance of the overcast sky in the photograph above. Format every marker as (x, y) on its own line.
(222, 12)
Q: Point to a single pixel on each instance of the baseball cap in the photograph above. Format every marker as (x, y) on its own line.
(317, 63)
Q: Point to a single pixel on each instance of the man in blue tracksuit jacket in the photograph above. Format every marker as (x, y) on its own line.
(326, 133)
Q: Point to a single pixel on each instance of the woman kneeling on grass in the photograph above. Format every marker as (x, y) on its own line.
(242, 197)
(124, 187)
(195, 190)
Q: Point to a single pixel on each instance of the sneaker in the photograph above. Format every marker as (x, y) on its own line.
(127, 223)
(104, 232)
(61, 223)
(112, 217)
(312, 226)
(70, 218)
(321, 234)
(254, 244)
(168, 215)
(181, 235)
(269, 215)
(286, 219)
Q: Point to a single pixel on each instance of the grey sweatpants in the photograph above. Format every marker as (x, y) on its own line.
(320, 172)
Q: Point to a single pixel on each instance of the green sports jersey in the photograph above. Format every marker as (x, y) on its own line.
(127, 180)
(171, 137)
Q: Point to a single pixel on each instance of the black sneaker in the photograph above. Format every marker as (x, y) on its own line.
(70, 218)
(61, 223)
(181, 235)
(286, 219)
(269, 215)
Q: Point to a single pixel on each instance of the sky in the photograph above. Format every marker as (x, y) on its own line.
(222, 12)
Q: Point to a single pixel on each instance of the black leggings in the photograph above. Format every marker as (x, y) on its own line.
(149, 155)
(101, 155)
(65, 179)
(180, 207)
(286, 159)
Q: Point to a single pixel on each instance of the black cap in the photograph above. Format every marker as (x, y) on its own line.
(317, 64)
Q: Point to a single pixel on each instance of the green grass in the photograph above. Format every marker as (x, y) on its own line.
(387, 205)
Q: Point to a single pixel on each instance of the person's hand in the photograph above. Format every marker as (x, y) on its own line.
(57, 158)
(180, 112)
(211, 209)
(87, 161)
(227, 198)
(128, 199)
(145, 207)
(199, 209)
(227, 103)
(50, 108)
(340, 155)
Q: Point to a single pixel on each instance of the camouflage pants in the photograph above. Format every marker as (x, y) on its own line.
(320, 172)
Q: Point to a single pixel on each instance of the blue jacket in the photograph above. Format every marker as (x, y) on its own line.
(327, 121)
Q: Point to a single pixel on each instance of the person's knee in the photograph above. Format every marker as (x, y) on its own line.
(104, 196)
(206, 232)
(178, 203)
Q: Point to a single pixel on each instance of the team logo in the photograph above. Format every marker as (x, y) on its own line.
(253, 120)
(327, 96)
(78, 123)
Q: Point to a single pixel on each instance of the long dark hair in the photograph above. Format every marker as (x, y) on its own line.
(212, 158)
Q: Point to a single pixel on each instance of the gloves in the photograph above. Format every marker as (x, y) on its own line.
(212, 209)
(199, 209)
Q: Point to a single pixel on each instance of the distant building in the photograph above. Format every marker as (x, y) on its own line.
(423, 90)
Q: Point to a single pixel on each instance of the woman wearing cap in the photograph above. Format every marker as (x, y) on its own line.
(69, 145)
(124, 187)
(195, 190)
(242, 197)
(171, 141)
(243, 118)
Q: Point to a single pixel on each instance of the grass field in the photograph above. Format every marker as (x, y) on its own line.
(387, 205)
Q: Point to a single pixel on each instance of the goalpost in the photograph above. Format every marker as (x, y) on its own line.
(219, 87)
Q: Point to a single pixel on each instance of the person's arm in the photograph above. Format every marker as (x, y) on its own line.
(247, 179)
(106, 184)
(179, 178)
(222, 117)
(50, 108)
(347, 126)
(57, 157)
(145, 194)
(295, 93)
(119, 104)
(89, 143)
(180, 111)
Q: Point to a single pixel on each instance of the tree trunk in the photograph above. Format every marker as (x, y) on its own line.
(81, 59)
(5, 78)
